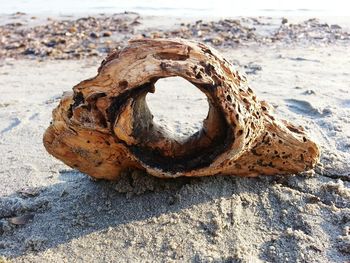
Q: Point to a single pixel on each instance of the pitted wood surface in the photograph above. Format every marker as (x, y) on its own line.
(105, 125)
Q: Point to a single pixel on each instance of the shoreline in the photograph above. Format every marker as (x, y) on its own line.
(90, 36)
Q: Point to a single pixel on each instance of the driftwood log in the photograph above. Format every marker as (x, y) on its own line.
(105, 126)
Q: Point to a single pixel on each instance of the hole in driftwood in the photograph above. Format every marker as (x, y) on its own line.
(178, 106)
(177, 139)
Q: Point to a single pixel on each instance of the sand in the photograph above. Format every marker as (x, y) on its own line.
(66, 217)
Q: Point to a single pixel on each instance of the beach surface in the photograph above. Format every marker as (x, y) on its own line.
(52, 213)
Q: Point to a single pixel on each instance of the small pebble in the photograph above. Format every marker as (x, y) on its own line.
(284, 20)
(94, 35)
(107, 34)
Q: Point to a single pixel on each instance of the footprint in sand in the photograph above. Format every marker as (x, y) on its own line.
(14, 123)
(346, 103)
(34, 116)
(306, 108)
(4, 105)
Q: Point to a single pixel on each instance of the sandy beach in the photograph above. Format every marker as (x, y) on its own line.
(52, 213)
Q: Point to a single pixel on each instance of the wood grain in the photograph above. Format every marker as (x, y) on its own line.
(105, 126)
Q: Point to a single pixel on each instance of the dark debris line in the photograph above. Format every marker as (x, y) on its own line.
(66, 39)
(231, 32)
(97, 36)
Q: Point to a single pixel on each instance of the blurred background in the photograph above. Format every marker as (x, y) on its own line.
(182, 7)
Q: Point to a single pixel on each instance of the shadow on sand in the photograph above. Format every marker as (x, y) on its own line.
(79, 206)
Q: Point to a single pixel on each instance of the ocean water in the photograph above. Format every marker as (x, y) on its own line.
(184, 8)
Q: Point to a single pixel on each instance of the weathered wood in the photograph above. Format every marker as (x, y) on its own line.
(105, 126)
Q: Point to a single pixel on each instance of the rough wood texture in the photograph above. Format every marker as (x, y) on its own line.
(105, 126)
